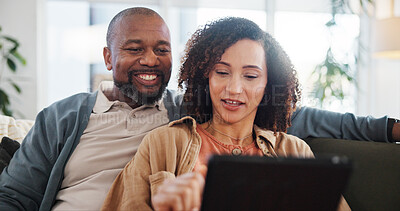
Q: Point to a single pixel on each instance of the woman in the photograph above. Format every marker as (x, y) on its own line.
(241, 89)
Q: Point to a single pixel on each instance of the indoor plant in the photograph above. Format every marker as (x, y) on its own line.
(9, 59)
(333, 74)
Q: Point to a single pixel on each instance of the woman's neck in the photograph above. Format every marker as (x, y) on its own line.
(239, 133)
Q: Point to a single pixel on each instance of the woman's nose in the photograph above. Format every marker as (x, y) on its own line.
(234, 86)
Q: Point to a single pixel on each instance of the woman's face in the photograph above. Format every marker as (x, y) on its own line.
(237, 82)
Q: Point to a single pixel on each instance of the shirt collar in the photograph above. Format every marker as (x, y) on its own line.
(103, 104)
(267, 135)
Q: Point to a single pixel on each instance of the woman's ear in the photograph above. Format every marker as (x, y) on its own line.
(107, 58)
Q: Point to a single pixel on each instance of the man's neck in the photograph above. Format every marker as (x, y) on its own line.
(115, 94)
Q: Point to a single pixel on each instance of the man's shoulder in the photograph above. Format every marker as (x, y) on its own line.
(173, 103)
(173, 97)
(79, 103)
(80, 97)
(75, 101)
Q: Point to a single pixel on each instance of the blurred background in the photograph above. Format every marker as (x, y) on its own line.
(339, 47)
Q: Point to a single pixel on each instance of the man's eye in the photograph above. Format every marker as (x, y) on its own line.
(162, 50)
(134, 49)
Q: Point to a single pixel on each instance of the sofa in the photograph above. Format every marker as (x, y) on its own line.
(373, 185)
(375, 180)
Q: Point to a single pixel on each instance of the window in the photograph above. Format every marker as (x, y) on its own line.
(306, 39)
(76, 39)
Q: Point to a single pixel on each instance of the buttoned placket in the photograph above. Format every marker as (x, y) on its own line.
(133, 119)
(263, 146)
(145, 115)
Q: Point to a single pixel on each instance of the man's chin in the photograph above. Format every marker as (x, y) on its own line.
(146, 97)
(149, 98)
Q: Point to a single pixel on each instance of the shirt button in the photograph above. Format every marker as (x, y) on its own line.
(236, 151)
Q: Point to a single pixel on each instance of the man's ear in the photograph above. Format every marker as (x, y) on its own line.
(107, 58)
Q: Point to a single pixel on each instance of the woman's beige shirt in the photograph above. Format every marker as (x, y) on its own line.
(172, 150)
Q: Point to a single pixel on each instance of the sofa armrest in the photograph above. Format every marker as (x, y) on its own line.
(375, 181)
(15, 129)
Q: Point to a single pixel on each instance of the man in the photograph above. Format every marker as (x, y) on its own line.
(53, 171)
(78, 145)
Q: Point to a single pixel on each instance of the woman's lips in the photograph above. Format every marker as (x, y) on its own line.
(231, 105)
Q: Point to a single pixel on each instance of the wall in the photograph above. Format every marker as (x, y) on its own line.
(379, 87)
(19, 19)
(386, 98)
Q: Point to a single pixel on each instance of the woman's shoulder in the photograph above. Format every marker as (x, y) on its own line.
(291, 138)
(182, 125)
(175, 130)
(294, 145)
(278, 137)
(287, 144)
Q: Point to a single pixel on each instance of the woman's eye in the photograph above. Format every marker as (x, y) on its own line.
(251, 76)
(220, 72)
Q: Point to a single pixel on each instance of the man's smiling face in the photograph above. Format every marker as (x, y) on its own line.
(140, 57)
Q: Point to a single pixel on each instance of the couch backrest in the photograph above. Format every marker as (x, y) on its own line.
(15, 129)
(375, 181)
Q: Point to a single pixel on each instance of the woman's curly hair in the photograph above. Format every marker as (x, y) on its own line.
(205, 49)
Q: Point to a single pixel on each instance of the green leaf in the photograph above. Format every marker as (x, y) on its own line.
(5, 103)
(16, 87)
(11, 65)
(11, 40)
(19, 57)
(3, 98)
(6, 111)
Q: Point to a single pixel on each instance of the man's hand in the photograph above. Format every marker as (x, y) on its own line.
(396, 132)
(182, 193)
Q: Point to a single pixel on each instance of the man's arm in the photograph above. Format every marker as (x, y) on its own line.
(311, 122)
(24, 180)
(31, 180)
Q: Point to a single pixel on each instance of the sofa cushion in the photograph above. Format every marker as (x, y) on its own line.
(7, 150)
(375, 181)
(15, 129)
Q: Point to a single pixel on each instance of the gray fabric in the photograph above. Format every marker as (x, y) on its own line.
(173, 102)
(311, 122)
(34, 175)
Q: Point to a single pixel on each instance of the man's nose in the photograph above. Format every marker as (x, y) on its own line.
(149, 58)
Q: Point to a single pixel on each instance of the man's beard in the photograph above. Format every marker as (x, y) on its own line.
(129, 90)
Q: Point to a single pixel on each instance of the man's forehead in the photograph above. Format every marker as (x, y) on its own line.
(143, 22)
(138, 24)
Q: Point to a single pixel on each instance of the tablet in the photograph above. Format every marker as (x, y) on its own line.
(264, 183)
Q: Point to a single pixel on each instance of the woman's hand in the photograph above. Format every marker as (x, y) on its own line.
(182, 193)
